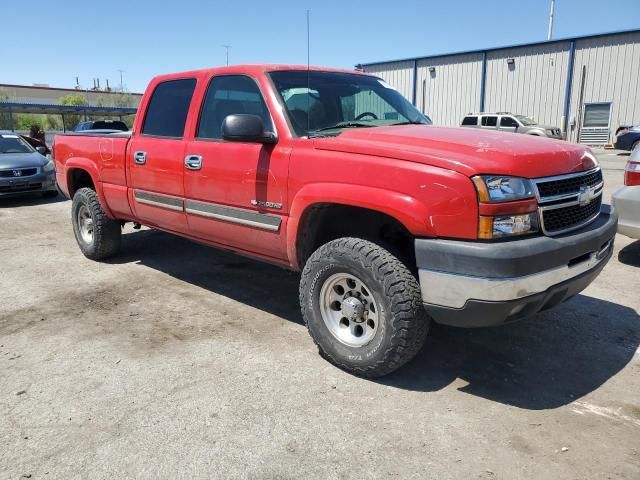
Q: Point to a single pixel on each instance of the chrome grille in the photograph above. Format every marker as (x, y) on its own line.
(569, 202)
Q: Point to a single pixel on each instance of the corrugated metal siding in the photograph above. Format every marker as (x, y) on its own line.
(534, 85)
(397, 74)
(612, 75)
(451, 90)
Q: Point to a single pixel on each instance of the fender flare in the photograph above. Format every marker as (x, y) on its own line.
(407, 210)
(91, 168)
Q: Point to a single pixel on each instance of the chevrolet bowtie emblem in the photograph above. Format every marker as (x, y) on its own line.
(586, 194)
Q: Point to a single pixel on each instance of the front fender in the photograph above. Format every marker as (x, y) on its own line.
(409, 211)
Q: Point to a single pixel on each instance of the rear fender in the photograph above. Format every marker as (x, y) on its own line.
(91, 168)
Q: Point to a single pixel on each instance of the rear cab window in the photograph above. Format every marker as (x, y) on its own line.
(166, 113)
(470, 120)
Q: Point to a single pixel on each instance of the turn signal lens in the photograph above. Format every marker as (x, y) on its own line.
(507, 225)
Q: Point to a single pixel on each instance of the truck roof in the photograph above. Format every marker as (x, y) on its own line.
(255, 69)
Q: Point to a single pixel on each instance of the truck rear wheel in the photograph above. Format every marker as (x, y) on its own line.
(97, 235)
(362, 307)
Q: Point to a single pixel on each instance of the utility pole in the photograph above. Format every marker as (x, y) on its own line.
(121, 80)
(227, 47)
(550, 32)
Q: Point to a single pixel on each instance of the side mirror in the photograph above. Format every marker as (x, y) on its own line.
(41, 150)
(243, 127)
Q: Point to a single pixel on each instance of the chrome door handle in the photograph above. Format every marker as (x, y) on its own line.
(193, 162)
(140, 157)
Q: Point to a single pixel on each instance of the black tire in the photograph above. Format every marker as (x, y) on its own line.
(106, 233)
(402, 321)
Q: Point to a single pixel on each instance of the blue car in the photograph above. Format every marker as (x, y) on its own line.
(627, 138)
(24, 169)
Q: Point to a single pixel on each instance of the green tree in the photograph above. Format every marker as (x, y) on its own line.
(4, 116)
(72, 119)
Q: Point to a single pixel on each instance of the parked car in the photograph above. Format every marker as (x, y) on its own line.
(627, 199)
(509, 122)
(101, 125)
(23, 169)
(627, 138)
(393, 222)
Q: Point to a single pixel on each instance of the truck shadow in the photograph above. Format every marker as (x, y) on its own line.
(630, 255)
(28, 200)
(549, 361)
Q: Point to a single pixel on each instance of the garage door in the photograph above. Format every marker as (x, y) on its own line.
(595, 124)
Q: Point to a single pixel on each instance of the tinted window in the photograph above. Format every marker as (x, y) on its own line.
(109, 125)
(229, 95)
(168, 108)
(470, 121)
(508, 122)
(489, 121)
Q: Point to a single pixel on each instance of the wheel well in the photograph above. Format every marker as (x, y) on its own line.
(322, 223)
(79, 178)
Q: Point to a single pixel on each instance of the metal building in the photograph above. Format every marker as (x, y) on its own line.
(589, 86)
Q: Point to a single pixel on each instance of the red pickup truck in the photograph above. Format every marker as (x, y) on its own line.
(393, 222)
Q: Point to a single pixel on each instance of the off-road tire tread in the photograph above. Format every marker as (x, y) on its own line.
(107, 233)
(410, 323)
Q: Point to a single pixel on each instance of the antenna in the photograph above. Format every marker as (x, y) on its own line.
(227, 47)
(121, 82)
(550, 31)
(308, 75)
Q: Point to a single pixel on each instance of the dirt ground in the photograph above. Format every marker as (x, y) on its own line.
(178, 361)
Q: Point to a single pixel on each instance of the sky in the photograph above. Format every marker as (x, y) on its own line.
(54, 42)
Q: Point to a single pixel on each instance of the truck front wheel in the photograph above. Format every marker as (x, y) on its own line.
(97, 235)
(363, 307)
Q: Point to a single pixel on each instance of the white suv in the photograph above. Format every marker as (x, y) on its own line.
(509, 122)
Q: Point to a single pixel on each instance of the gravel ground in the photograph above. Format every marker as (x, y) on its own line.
(178, 361)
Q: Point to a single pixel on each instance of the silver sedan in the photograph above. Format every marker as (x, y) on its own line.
(627, 199)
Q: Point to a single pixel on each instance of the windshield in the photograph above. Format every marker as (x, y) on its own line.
(527, 121)
(11, 143)
(324, 103)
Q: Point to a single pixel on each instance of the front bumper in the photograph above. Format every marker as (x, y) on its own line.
(38, 183)
(473, 284)
(626, 200)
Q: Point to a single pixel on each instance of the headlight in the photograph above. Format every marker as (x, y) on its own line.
(49, 166)
(507, 225)
(493, 188)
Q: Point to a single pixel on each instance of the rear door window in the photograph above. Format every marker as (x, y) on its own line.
(489, 121)
(167, 111)
(470, 121)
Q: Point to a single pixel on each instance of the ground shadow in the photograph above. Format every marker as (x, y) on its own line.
(630, 255)
(29, 200)
(258, 284)
(546, 362)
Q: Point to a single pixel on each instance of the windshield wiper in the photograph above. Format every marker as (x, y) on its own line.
(408, 123)
(342, 125)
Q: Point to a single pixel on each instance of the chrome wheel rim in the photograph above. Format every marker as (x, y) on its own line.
(85, 224)
(349, 310)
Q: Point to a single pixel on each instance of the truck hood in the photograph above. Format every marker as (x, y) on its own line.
(465, 150)
(21, 160)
